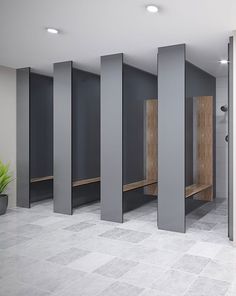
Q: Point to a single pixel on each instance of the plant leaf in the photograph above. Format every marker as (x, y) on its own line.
(5, 176)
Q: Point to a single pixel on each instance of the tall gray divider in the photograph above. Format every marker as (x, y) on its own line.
(171, 138)
(23, 145)
(62, 94)
(230, 147)
(111, 137)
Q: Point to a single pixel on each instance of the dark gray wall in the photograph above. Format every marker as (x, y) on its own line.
(111, 137)
(230, 133)
(41, 125)
(41, 190)
(62, 94)
(86, 194)
(23, 137)
(171, 138)
(188, 141)
(200, 83)
(138, 86)
(86, 125)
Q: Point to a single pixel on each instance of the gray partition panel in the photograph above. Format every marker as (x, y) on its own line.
(23, 151)
(230, 147)
(111, 137)
(62, 95)
(171, 138)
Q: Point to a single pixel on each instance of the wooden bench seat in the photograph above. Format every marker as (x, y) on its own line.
(86, 181)
(139, 184)
(196, 188)
(41, 179)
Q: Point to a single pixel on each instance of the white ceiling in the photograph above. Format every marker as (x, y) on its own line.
(91, 28)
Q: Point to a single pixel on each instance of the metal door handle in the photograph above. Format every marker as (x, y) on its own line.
(224, 108)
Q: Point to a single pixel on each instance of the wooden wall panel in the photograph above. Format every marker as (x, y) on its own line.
(151, 130)
(205, 146)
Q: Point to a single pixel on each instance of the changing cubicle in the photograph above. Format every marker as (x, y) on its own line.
(76, 137)
(186, 137)
(128, 137)
(34, 137)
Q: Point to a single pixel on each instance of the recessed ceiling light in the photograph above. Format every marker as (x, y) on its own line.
(152, 8)
(224, 62)
(52, 30)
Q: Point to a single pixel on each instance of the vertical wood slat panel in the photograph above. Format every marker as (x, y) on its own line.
(151, 131)
(205, 146)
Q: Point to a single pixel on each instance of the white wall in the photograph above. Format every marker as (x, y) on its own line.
(8, 124)
(221, 132)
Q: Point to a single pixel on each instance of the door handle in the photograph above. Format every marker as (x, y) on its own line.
(224, 108)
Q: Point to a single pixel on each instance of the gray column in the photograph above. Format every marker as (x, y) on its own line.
(62, 96)
(230, 147)
(111, 138)
(23, 142)
(171, 138)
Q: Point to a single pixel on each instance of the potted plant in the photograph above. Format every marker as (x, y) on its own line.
(5, 179)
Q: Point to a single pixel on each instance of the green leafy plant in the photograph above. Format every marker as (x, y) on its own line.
(5, 176)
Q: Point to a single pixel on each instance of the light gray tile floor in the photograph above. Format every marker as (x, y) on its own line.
(121, 289)
(79, 227)
(68, 256)
(116, 268)
(91, 261)
(174, 282)
(204, 286)
(192, 264)
(48, 254)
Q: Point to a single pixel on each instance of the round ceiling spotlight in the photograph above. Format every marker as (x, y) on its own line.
(52, 30)
(152, 8)
(224, 62)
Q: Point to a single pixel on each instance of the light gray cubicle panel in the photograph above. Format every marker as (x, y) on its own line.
(23, 142)
(111, 137)
(171, 138)
(62, 99)
(230, 143)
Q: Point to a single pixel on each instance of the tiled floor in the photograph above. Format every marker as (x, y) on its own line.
(47, 254)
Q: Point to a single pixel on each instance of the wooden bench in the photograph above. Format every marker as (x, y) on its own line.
(139, 184)
(196, 188)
